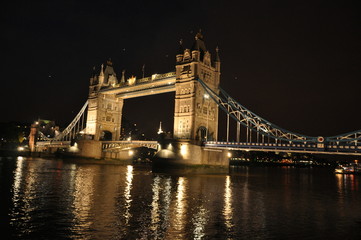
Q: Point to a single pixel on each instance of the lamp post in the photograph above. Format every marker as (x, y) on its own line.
(206, 96)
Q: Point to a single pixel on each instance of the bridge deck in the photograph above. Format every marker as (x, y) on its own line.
(299, 148)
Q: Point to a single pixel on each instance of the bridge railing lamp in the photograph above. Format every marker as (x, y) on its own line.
(131, 152)
(206, 96)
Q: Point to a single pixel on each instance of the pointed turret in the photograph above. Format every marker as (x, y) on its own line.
(198, 48)
(93, 78)
(109, 74)
(101, 76)
(217, 61)
(101, 70)
(122, 80)
(217, 55)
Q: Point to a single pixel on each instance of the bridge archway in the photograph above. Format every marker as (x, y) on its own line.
(106, 136)
(201, 133)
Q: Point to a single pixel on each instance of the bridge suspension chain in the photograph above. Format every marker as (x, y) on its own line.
(75, 126)
(353, 138)
(251, 121)
(255, 123)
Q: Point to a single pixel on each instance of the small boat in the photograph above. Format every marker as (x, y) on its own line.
(350, 168)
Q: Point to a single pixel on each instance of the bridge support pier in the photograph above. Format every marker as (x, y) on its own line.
(189, 157)
(90, 149)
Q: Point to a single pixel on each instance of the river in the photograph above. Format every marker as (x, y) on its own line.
(61, 199)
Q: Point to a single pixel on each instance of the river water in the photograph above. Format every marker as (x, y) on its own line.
(56, 199)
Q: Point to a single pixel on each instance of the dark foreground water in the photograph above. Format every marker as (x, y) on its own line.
(55, 199)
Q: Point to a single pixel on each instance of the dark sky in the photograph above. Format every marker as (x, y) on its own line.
(295, 63)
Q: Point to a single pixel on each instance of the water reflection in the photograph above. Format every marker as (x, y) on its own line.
(24, 197)
(127, 195)
(57, 200)
(161, 201)
(155, 206)
(347, 182)
(199, 221)
(228, 210)
(181, 204)
(83, 199)
(178, 211)
(18, 174)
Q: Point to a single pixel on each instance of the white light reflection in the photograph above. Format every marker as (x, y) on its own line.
(181, 201)
(83, 198)
(199, 221)
(155, 206)
(160, 206)
(17, 177)
(24, 194)
(127, 195)
(167, 197)
(228, 210)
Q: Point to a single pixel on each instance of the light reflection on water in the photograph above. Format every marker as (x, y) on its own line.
(227, 209)
(54, 199)
(127, 195)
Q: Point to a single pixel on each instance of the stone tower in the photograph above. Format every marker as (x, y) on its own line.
(195, 114)
(104, 110)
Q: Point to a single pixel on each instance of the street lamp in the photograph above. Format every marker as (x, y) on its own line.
(206, 96)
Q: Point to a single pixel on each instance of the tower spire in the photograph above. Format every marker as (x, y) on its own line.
(122, 80)
(102, 70)
(217, 55)
(160, 128)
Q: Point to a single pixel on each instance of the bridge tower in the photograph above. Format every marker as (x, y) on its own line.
(195, 114)
(104, 110)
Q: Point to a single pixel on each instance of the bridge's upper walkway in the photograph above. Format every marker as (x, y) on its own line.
(156, 84)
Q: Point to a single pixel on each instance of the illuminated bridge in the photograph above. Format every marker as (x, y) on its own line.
(259, 134)
(198, 99)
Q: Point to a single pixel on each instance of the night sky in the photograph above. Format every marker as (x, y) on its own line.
(295, 63)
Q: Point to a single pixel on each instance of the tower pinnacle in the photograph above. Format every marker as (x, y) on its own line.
(160, 128)
(217, 55)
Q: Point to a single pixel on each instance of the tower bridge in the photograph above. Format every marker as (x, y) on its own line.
(198, 98)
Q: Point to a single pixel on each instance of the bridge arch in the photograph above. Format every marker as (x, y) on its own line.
(201, 133)
(106, 136)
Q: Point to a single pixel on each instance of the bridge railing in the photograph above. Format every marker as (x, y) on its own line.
(109, 145)
(284, 146)
(154, 77)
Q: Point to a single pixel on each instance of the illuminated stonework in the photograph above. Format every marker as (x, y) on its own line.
(195, 115)
(104, 110)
